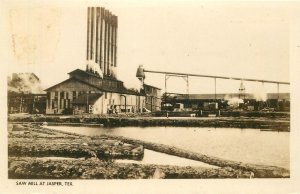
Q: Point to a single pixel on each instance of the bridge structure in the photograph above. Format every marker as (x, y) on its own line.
(141, 75)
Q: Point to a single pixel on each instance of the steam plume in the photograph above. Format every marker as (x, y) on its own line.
(24, 83)
(234, 102)
(260, 94)
(94, 68)
(134, 84)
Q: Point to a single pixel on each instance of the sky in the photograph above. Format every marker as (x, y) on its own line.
(247, 40)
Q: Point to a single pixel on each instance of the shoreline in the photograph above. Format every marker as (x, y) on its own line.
(281, 124)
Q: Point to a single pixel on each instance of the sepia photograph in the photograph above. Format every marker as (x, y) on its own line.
(148, 90)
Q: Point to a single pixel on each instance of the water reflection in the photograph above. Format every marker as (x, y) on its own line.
(152, 157)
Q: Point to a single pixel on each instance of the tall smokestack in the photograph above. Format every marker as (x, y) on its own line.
(88, 35)
(102, 40)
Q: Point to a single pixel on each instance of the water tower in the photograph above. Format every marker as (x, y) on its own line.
(140, 74)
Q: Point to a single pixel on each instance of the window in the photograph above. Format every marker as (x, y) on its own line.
(67, 95)
(61, 95)
(55, 94)
(48, 98)
(54, 104)
(74, 95)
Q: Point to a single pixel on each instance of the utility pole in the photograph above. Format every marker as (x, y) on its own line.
(165, 88)
(87, 102)
(216, 90)
(277, 96)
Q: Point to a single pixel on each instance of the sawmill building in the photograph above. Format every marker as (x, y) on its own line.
(86, 92)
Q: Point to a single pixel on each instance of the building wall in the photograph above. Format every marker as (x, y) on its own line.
(26, 103)
(115, 103)
(153, 98)
(60, 98)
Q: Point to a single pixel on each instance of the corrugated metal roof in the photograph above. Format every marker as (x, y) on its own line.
(120, 90)
(227, 96)
(152, 86)
(210, 96)
(79, 71)
(281, 95)
(70, 79)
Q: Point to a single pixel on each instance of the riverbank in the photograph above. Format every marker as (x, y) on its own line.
(41, 150)
(277, 124)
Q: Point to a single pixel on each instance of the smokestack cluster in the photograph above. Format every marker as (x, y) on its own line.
(102, 28)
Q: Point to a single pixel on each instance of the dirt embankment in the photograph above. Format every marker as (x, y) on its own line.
(33, 168)
(30, 146)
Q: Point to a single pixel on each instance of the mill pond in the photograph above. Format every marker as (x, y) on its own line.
(244, 145)
(36, 151)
